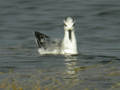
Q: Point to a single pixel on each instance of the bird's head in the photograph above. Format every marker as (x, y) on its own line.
(69, 23)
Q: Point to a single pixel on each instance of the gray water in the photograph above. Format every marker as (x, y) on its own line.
(98, 35)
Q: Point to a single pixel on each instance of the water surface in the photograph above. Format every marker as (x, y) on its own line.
(98, 35)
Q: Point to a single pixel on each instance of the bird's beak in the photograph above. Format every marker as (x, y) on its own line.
(70, 32)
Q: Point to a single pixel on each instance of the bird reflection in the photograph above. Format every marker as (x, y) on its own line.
(71, 65)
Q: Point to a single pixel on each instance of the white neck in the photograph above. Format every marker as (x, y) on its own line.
(69, 45)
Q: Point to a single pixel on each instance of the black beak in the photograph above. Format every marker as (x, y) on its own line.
(70, 34)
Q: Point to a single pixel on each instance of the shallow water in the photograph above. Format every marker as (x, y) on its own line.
(98, 35)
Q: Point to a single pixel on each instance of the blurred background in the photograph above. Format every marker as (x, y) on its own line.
(98, 37)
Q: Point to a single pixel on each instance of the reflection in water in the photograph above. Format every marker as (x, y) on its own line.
(71, 65)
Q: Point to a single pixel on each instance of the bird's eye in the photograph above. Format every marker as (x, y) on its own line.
(73, 24)
(65, 25)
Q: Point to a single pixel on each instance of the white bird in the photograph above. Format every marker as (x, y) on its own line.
(67, 46)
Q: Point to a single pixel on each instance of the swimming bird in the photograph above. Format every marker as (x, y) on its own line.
(66, 46)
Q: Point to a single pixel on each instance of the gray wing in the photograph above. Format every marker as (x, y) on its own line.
(47, 44)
